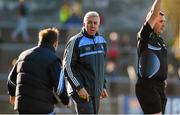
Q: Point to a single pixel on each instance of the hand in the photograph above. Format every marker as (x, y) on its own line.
(83, 94)
(104, 94)
(12, 100)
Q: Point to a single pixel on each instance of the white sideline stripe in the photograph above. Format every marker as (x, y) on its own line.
(68, 57)
(12, 83)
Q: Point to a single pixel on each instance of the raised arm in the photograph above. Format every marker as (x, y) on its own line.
(154, 13)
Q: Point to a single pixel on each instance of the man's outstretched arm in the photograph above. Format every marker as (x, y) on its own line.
(154, 13)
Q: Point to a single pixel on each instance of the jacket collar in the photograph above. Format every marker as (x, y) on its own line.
(47, 45)
(84, 32)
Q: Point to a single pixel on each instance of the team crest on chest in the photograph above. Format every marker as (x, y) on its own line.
(87, 48)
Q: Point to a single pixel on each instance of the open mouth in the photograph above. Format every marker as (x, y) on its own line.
(92, 30)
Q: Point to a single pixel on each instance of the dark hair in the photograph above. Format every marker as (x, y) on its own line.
(49, 35)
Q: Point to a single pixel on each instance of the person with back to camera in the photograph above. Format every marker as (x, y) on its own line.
(33, 81)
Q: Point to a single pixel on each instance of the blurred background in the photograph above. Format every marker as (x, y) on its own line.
(20, 23)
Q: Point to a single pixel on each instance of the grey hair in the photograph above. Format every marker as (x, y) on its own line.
(91, 14)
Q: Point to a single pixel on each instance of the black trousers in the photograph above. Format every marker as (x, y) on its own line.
(33, 106)
(84, 107)
(151, 95)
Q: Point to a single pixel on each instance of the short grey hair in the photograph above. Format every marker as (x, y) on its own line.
(91, 14)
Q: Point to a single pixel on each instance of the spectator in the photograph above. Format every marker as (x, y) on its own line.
(22, 24)
(76, 14)
(65, 13)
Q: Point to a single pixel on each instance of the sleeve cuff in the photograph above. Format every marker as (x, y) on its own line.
(79, 87)
(104, 86)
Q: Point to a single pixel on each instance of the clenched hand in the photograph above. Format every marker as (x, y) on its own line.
(83, 94)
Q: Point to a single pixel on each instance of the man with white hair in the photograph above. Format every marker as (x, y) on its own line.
(83, 64)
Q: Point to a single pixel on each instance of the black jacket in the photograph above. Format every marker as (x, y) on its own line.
(84, 63)
(34, 80)
(152, 55)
